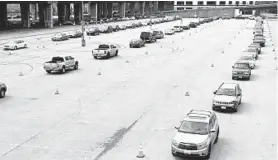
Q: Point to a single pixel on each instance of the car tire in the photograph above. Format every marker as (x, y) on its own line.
(95, 57)
(130, 46)
(25, 45)
(63, 70)
(209, 151)
(48, 72)
(116, 53)
(217, 135)
(174, 154)
(108, 55)
(233, 78)
(2, 93)
(76, 66)
(236, 106)
(248, 78)
(239, 103)
(15, 47)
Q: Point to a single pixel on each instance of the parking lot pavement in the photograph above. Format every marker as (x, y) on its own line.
(108, 116)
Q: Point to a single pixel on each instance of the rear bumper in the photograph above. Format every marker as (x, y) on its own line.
(241, 76)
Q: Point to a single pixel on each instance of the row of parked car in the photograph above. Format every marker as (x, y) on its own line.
(242, 68)
(199, 130)
(109, 28)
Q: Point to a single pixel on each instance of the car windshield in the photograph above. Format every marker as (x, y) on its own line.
(226, 91)
(57, 59)
(246, 58)
(194, 127)
(103, 46)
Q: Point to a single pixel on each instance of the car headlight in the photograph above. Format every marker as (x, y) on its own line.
(203, 144)
(175, 143)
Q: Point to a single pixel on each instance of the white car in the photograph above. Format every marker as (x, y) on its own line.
(196, 135)
(169, 32)
(178, 28)
(227, 97)
(250, 59)
(15, 45)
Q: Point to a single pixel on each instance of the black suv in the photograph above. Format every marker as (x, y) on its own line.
(148, 37)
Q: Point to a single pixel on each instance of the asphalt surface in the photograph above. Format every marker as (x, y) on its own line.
(139, 96)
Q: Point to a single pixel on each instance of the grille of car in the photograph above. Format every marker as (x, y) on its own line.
(187, 146)
(219, 102)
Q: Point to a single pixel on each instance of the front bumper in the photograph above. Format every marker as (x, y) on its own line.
(99, 55)
(190, 153)
(217, 106)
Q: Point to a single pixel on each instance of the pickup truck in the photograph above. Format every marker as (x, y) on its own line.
(3, 90)
(241, 70)
(105, 51)
(60, 64)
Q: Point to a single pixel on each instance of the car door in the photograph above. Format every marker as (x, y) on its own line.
(67, 62)
(71, 61)
(113, 50)
(237, 94)
(212, 126)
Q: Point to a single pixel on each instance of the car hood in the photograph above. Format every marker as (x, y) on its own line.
(240, 70)
(224, 98)
(190, 138)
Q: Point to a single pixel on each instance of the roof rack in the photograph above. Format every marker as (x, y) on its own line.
(201, 110)
(199, 114)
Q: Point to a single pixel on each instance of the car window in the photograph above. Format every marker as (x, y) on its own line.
(194, 127)
(67, 58)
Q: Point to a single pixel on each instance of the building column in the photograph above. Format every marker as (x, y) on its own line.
(3, 15)
(155, 6)
(48, 16)
(93, 10)
(25, 12)
(99, 10)
(161, 5)
(105, 9)
(109, 9)
(141, 8)
(77, 12)
(132, 8)
(67, 12)
(61, 12)
(122, 9)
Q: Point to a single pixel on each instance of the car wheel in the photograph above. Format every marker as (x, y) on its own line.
(15, 47)
(130, 46)
(116, 53)
(2, 93)
(248, 78)
(95, 57)
(236, 106)
(76, 66)
(216, 139)
(108, 55)
(25, 45)
(48, 72)
(63, 70)
(233, 78)
(174, 154)
(239, 101)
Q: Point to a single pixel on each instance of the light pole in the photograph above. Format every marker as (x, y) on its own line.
(83, 42)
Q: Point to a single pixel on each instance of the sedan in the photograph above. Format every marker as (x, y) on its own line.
(93, 31)
(169, 32)
(136, 43)
(15, 45)
(60, 37)
(75, 34)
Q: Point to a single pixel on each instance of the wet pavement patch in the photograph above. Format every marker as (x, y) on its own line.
(115, 139)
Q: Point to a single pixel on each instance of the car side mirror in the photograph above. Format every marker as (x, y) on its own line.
(239, 94)
(176, 127)
(214, 92)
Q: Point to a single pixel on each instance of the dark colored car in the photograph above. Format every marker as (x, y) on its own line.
(75, 34)
(116, 28)
(60, 37)
(93, 31)
(192, 25)
(185, 27)
(3, 90)
(260, 40)
(148, 37)
(136, 43)
(241, 70)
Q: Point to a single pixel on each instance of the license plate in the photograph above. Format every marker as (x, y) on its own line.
(223, 107)
(187, 152)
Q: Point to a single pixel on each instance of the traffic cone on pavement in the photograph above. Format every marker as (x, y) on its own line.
(140, 153)
(99, 73)
(57, 92)
(126, 61)
(186, 94)
(212, 65)
(20, 73)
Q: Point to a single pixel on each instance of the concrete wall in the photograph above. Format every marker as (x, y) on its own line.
(203, 13)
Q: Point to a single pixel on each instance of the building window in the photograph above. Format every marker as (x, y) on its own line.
(200, 3)
(180, 3)
(222, 3)
(188, 8)
(243, 2)
(230, 2)
(237, 3)
(251, 2)
(180, 8)
(211, 3)
(189, 3)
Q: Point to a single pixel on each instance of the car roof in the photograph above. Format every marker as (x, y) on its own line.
(228, 85)
(199, 115)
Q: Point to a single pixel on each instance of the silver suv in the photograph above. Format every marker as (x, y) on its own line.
(196, 134)
(227, 97)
